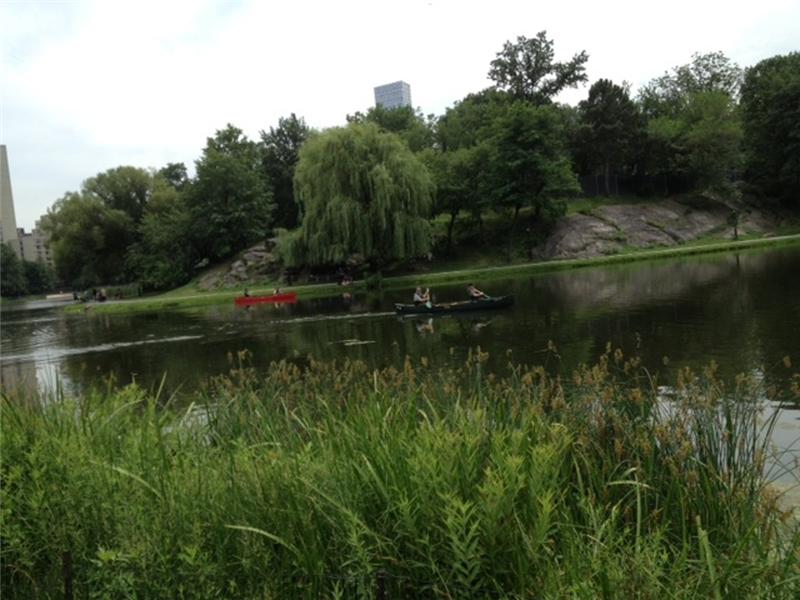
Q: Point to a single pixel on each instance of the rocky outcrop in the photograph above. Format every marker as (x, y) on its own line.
(250, 266)
(615, 228)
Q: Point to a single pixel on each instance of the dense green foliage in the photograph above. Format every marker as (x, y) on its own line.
(19, 277)
(406, 122)
(88, 240)
(611, 130)
(771, 115)
(280, 149)
(38, 276)
(325, 481)
(693, 126)
(507, 153)
(528, 162)
(125, 188)
(163, 258)
(12, 273)
(230, 202)
(361, 191)
(667, 95)
(175, 174)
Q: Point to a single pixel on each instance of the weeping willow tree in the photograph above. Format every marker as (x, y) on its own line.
(360, 191)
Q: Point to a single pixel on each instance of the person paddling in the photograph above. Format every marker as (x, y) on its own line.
(475, 294)
(421, 297)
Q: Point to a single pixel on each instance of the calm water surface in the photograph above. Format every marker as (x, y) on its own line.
(740, 310)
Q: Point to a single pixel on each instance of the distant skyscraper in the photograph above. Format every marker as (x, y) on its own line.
(393, 95)
(33, 246)
(8, 221)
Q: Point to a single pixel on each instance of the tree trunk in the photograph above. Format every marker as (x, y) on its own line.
(606, 176)
(453, 216)
(511, 233)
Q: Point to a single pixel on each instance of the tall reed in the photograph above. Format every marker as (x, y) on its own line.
(334, 480)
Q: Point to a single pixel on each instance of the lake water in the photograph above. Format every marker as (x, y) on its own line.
(741, 310)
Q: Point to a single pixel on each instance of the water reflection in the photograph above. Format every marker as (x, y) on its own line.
(737, 309)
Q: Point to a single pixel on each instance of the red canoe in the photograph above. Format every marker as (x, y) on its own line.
(287, 297)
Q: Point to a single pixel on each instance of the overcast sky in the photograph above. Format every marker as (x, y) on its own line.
(88, 86)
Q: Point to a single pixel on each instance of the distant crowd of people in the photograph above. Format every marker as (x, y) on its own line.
(94, 295)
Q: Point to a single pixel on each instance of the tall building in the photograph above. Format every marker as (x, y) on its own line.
(8, 220)
(34, 245)
(393, 95)
(31, 246)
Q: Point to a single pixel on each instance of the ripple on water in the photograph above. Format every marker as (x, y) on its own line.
(55, 354)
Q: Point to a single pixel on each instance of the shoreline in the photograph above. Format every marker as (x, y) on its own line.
(171, 301)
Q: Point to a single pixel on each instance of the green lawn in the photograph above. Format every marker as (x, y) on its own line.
(478, 267)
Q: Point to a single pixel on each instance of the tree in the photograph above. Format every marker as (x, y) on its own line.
(38, 276)
(230, 203)
(461, 181)
(463, 124)
(174, 174)
(123, 188)
(280, 149)
(529, 164)
(406, 122)
(713, 139)
(12, 273)
(702, 144)
(528, 72)
(361, 191)
(458, 177)
(693, 125)
(668, 95)
(88, 239)
(163, 258)
(771, 114)
(610, 126)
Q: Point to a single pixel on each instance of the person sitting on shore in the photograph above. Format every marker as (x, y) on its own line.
(474, 293)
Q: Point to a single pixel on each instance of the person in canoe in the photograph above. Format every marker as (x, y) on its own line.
(474, 293)
(421, 297)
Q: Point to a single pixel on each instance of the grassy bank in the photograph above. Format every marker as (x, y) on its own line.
(187, 297)
(337, 481)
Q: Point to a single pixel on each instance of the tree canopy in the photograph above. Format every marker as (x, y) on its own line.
(361, 191)
(230, 202)
(410, 124)
(12, 273)
(123, 188)
(88, 240)
(669, 94)
(610, 128)
(163, 256)
(529, 164)
(280, 149)
(174, 174)
(527, 69)
(771, 121)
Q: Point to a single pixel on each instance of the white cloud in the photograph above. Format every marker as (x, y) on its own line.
(89, 86)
